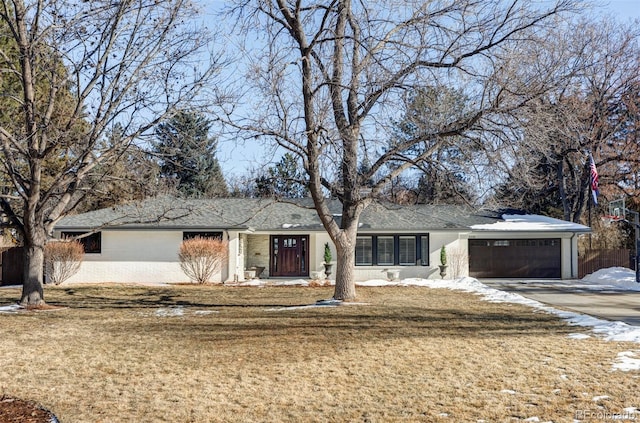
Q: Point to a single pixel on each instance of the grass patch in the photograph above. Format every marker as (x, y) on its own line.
(212, 353)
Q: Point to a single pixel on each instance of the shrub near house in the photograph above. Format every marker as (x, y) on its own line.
(62, 260)
(200, 258)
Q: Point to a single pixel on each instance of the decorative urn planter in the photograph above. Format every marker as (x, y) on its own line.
(327, 269)
(443, 270)
(258, 271)
(393, 275)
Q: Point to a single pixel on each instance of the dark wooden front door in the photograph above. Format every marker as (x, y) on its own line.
(289, 255)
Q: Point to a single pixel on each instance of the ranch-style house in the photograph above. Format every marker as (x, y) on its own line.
(284, 239)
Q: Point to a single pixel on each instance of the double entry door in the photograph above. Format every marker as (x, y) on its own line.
(289, 255)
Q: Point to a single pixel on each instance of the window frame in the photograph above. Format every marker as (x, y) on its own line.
(186, 235)
(393, 250)
(91, 244)
(402, 253)
(371, 252)
(421, 243)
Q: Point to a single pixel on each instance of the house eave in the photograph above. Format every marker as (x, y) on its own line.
(154, 228)
(530, 231)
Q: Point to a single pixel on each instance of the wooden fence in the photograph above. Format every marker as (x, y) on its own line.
(590, 261)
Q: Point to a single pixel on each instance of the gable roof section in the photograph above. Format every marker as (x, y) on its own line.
(172, 213)
(386, 216)
(269, 216)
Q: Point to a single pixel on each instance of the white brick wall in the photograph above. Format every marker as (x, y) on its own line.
(135, 256)
(258, 252)
(150, 256)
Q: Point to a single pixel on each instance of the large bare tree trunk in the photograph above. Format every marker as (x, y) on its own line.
(345, 288)
(32, 288)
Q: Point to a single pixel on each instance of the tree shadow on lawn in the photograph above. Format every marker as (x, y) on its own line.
(238, 313)
(420, 323)
(140, 297)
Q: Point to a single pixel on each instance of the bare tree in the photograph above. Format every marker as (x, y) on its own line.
(78, 68)
(330, 78)
(592, 110)
(459, 259)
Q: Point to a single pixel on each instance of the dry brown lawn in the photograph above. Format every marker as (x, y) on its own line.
(218, 354)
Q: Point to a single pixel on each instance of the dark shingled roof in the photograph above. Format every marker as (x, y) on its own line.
(270, 215)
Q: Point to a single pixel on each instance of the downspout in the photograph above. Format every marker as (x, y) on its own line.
(573, 273)
(228, 275)
(232, 271)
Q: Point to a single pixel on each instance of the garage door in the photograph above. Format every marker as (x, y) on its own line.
(514, 258)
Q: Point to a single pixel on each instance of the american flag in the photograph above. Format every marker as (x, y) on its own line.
(594, 179)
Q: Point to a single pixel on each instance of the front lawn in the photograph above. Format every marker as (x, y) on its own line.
(208, 354)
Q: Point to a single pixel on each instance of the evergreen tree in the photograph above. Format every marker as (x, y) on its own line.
(444, 162)
(533, 187)
(186, 154)
(284, 180)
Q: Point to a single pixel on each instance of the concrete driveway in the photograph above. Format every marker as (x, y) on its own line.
(610, 304)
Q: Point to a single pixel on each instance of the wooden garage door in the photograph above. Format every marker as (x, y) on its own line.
(515, 258)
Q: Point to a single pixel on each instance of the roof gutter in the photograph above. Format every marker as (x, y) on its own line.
(150, 228)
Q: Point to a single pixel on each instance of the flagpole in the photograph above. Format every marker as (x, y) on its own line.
(593, 187)
(589, 202)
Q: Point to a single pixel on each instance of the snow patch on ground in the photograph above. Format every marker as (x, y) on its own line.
(260, 282)
(12, 308)
(319, 304)
(578, 336)
(170, 311)
(179, 311)
(627, 361)
(607, 279)
(617, 278)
